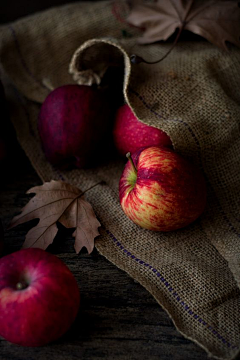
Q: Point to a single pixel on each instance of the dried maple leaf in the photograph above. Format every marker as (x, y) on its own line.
(58, 201)
(217, 21)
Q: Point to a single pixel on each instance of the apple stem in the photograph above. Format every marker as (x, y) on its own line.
(46, 82)
(128, 155)
(21, 285)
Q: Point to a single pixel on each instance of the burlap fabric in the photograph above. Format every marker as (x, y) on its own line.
(193, 95)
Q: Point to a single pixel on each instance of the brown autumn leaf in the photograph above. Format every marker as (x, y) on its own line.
(58, 201)
(217, 21)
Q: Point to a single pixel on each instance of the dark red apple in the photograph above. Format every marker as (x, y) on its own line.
(73, 121)
(160, 190)
(130, 134)
(39, 297)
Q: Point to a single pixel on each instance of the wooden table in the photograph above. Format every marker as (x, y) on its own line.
(118, 318)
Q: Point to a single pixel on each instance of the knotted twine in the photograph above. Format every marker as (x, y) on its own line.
(193, 273)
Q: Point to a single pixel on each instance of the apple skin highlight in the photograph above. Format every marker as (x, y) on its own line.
(130, 134)
(45, 307)
(167, 193)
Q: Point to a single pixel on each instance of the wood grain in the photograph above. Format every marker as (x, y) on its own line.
(118, 318)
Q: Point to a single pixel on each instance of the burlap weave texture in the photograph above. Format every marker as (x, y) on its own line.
(194, 273)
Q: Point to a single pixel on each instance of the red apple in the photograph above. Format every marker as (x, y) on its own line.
(130, 134)
(39, 297)
(73, 121)
(160, 190)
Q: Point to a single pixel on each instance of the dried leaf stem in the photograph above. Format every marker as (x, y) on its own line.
(102, 182)
(135, 59)
(51, 204)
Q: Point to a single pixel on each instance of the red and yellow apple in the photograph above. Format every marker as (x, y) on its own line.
(130, 134)
(161, 190)
(39, 297)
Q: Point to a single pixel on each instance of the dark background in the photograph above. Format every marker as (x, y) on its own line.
(11, 10)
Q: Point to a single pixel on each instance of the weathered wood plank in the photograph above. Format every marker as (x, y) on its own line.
(118, 318)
